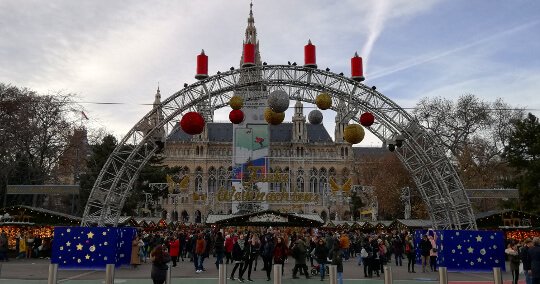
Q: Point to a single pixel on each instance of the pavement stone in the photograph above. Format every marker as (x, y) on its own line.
(30, 271)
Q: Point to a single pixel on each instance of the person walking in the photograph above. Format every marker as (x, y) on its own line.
(410, 253)
(251, 252)
(238, 257)
(321, 255)
(534, 254)
(3, 246)
(219, 248)
(299, 251)
(267, 254)
(280, 253)
(159, 258)
(526, 260)
(337, 260)
(200, 249)
(513, 257)
(425, 249)
(397, 245)
(229, 243)
(135, 258)
(433, 253)
(174, 249)
(364, 254)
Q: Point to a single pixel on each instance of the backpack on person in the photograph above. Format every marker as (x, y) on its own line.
(407, 247)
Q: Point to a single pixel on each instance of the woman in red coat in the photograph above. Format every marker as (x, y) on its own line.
(229, 243)
(280, 253)
(174, 246)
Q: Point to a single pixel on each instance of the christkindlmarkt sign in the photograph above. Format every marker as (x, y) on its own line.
(267, 217)
(224, 195)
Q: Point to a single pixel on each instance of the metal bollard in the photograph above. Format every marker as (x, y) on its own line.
(443, 275)
(168, 275)
(497, 275)
(109, 273)
(277, 273)
(388, 279)
(333, 274)
(222, 274)
(53, 272)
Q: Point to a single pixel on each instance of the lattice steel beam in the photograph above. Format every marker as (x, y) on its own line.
(432, 171)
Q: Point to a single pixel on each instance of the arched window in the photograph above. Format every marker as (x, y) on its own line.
(323, 185)
(313, 184)
(229, 178)
(222, 177)
(198, 179)
(332, 172)
(212, 182)
(300, 183)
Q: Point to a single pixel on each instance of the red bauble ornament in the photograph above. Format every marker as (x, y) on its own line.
(236, 116)
(367, 119)
(192, 123)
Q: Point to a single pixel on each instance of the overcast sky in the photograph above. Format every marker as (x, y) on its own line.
(118, 51)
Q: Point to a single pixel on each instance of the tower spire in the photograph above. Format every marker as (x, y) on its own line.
(251, 36)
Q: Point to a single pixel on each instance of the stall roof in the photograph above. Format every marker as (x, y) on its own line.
(266, 218)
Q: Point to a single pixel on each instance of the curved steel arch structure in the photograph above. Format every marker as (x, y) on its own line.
(431, 169)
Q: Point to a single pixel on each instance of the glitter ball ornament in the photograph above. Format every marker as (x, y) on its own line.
(315, 116)
(353, 133)
(192, 123)
(278, 101)
(273, 117)
(236, 102)
(367, 119)
(323, 101)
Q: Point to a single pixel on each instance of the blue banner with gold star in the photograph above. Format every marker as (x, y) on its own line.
(91, 247)
(461, 250)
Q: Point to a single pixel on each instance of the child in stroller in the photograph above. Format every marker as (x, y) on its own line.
(315, 270)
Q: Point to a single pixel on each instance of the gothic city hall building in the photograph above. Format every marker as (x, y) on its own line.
(289, 167)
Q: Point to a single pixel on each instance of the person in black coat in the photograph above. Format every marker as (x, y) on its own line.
(238, 257)
(425, 248)
(534, 254)
(267, 253)
(525, 259)
(159, 258)
(219, 248)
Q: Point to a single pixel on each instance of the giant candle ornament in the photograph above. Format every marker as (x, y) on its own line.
(357, 71)
(310, 57)
(202, 66)
(249, 55)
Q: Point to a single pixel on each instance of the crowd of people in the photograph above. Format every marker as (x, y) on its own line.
(247, 250)
(524, 256)
(27, 245)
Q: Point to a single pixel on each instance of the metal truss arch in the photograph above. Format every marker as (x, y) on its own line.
(431, 169)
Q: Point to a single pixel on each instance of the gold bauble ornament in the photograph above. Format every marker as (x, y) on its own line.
(236, 102)
(353, 133)
(273, 117)
(323, 101)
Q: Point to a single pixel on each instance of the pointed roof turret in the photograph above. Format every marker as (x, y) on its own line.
(157, 97)
(251, 36)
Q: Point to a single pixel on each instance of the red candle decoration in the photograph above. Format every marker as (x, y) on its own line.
(249, 55)
(202, 66)
(236, 116)
(310, 57)
(367, 119)
(357, 71)
(192, 123)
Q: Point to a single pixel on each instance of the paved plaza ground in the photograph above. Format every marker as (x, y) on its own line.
(36, 271)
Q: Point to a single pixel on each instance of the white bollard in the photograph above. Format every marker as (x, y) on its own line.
(168, 275)
(109, 273)
(222, 274)
(333, 274)
(497, 275)
(443, 275)
(388, 279)
(277, 273)
(53, 272)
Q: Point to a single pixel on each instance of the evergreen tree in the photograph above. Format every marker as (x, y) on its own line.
(523, 153)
